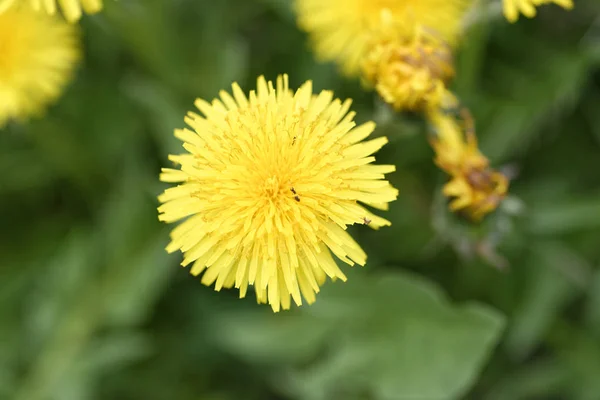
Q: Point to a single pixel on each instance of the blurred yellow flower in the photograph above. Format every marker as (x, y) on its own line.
(71, 9)
(340, 29)
(512, 8)
(409, 73)
(476, 188)
(37, 57)
(268, 187)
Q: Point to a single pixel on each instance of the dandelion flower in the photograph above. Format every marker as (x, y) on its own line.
(37, 57)
(475, 188)
(512, 8)
(268, 186)
(71, 9)
(409, 73)
(340, 29)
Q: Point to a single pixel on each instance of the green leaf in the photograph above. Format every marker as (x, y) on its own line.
(267, 338)
(395, 335)
(112, 351)
(592, 308)
(406, 340)
(539, 380)
(580, 354)
(565, 216)
(528, 94)
(554, 275)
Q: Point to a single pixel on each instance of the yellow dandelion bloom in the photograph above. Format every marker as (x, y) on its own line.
(475, 188)
(409, 73)
(268, 187)
(340, 29)
(37, 57)
(71, 9)
(512, 8)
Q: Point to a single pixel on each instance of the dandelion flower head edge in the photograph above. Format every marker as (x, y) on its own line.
(267, 187)
(71, 9)
(513, 8)
(38, 54)
(340, 30)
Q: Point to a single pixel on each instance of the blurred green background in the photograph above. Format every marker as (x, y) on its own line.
(91, 306)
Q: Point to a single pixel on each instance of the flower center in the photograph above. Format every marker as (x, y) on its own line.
(272, 188)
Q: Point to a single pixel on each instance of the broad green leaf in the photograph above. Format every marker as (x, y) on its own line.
(267, 338)
(393, 335)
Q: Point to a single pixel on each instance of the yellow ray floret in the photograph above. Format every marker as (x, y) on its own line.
(340, 29)
(71, 9)
(37, 57)
(512, 8)
(268, 186)
(475, 188)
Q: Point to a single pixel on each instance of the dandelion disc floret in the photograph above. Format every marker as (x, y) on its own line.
(267, 188)
(37, 57)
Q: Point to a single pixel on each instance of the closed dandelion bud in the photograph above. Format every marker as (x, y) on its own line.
(267, 188)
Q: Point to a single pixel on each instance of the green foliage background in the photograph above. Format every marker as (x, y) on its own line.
(91, 307)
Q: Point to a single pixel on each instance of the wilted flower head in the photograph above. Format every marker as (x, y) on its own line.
(341, 29)
(269, 185)
(475, 187)
(512, 8)
(37, 56)
(408, 73)
(72, 9)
